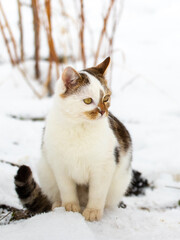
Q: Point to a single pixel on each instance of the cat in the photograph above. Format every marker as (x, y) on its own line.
(86, 151)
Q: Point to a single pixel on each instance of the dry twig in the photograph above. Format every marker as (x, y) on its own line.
(29, 82)
(21, 31)
(36, 23)
(26, 4)
(10, 163)
(12, 39)
(17, 214)
(81, 34)
(178, 188)
(117, 13)
(52, 52)
(65, 14)
(103, 31)
(6, 43)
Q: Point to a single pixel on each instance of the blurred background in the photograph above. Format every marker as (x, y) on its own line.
(38, 38)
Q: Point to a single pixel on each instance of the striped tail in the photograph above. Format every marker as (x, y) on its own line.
(29, 192)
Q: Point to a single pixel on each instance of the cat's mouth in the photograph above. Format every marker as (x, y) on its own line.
(102, 115)
(96, 114)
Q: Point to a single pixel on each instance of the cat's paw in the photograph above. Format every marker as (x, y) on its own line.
(56, 205)
(74, 207)
(92, 214)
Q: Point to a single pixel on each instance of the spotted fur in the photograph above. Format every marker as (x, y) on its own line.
(120, 132)
(86, 151)
(29, 192)
(82, 80)
(117, 154)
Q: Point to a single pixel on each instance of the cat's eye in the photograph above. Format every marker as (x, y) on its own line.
(87, 100)
(106, 98)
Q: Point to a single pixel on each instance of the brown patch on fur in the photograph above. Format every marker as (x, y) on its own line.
(99, 72)
(102, 108)
(107, 104)
(117, 154)
(74, 88)
(92, 114)
(102, 67)
(120, 132)
(80, 79)
(103, 105)
(99, 76)
(95, 72)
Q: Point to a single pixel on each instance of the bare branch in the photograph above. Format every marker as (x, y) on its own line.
(47, 87)
(10, 33)
(105, 21)
(28, 82)
(6, 43)
(52, 52)
(10, 163)
(21, 31)
(26, 4)
(36, 23)
(12, 39)
(26, 118)
(17, 214)
(65, 14)
(82, 34)
(5, 216)
(178, 188)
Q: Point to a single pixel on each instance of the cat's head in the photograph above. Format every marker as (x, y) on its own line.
(84, 95)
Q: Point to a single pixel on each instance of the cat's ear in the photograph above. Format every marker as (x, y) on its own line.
(102, 67)
(70, 77)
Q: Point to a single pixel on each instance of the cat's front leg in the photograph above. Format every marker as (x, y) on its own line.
(68, 193)
(98, 189)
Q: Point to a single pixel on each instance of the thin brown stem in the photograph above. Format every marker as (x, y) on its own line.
(53, 55)
(10, 163)
(52, 52)
(17, 214)
(24, 4)
(178, 188)
(117, 13)
(50, 43)
(10, 34)
(64, 13)
(36, 23)
(28, 82)
(21, 31)
(105, 21)
(6, 43)
(81, 33)
(47, 84)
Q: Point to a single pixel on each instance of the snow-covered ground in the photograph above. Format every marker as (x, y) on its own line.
(145, 85)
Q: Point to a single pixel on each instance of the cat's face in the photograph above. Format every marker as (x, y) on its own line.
(84, 95)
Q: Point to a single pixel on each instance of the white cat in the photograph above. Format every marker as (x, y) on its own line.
(86, 151)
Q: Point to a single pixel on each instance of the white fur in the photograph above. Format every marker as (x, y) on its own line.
(77, 150)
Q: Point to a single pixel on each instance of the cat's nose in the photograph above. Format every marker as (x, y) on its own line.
(102, 112)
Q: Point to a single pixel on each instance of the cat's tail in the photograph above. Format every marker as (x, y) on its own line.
(29, 192)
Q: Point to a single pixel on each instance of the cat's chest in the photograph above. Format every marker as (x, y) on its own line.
(79, 150)
(79, 141)
(84, 154)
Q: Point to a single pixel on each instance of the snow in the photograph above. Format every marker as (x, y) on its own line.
(128, 224)
(145, 98)
(54, 225)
